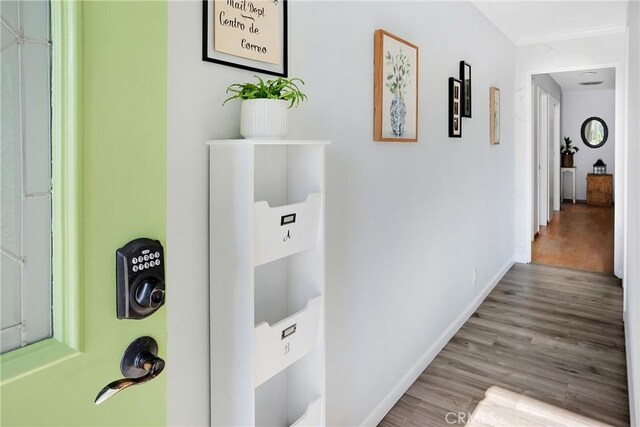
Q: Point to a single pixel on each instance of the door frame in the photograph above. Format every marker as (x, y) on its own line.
(542, 157)
(535, 99)
(620, 175)
(556, 106)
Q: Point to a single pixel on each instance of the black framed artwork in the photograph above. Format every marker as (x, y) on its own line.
(247, 35)
(455, 108)
(465, 77)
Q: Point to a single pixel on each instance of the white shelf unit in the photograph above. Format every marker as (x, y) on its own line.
(267, 282)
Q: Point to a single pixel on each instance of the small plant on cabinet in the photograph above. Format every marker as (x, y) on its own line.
(278, 89)
(264, 108)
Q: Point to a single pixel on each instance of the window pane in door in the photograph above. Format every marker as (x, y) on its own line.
(11, 314)
(25, 173)
(11, 146)
(36, 81)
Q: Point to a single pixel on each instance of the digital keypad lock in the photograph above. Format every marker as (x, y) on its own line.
(140, 287)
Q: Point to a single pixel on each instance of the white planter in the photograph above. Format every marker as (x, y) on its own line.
(264, 118)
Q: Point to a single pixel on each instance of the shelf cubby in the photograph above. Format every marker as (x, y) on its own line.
(263, 286)
(288, 398)
(278, 346)
(285, 230)
(311, 416)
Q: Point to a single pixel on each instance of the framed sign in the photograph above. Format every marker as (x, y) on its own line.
(251, 35)
(395, 89)
(455, 108)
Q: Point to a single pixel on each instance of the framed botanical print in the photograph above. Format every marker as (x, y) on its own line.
(455, 108)
(465, 77)
(494, 116)
(247, 35)
(395, 89)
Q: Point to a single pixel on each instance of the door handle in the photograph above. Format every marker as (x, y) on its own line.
(139, 364)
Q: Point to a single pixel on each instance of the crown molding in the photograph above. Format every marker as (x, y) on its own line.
(569, 35)
(510, 29)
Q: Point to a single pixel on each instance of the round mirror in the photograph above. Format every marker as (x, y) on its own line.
(594, 132)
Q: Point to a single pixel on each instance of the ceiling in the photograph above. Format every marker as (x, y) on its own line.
(569, 80)
(527, 22)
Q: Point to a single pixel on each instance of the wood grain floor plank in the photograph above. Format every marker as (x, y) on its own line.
(549, 333)
(538, 325)
(571, 346)
(476, 336)
(567, 358)
(497, 367)
(598, 307)
(595, 408)
(548, 304)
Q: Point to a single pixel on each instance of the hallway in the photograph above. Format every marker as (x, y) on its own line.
(579, 236)
(552, 334)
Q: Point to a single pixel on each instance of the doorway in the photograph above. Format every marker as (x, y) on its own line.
(546, 153)
(544, 174)
(574, 206)
(548, 147)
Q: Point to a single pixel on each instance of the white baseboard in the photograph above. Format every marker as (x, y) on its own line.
(522, 258)
(379, 412)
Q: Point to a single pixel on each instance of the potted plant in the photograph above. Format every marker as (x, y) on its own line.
(567, 151)
(397, 80)
(265, 105)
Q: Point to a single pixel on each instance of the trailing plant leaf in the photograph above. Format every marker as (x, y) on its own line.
(280, 88)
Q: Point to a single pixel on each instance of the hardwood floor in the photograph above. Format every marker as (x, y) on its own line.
(579, 236)
(550, 333)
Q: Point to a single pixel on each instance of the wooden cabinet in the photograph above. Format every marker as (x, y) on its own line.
(600, 189)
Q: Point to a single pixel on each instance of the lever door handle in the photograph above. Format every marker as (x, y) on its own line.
(139, 364)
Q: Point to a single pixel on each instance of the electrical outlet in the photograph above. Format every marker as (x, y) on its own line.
(475, 276)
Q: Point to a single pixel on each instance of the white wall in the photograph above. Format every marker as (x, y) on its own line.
(576, 108)
(406, 223)
(563, 55)
(632, 274)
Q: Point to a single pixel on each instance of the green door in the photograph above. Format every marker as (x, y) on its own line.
(109, 169)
